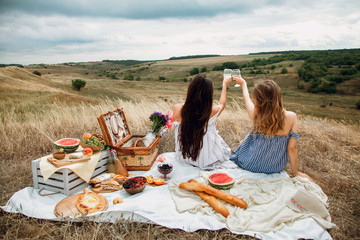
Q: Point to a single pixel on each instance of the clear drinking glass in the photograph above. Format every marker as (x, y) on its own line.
(236, 73)
(227, 73)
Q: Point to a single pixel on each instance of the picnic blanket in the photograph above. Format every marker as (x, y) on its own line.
(163, 205)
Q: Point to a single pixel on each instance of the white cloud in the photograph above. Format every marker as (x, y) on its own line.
(26, 36)
(130, 9)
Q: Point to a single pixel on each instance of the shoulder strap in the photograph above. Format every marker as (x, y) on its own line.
(294, 135)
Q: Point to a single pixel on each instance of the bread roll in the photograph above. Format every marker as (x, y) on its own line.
(194, 185)
(117, 200)
(216, 204)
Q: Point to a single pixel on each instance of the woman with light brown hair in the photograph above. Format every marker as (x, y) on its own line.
(197, 141)
(272, 142)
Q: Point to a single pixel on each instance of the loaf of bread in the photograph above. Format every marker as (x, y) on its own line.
(215, 203)
(193, 185)
(120, 179)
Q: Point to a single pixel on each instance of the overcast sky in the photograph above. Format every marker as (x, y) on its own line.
(57, 31)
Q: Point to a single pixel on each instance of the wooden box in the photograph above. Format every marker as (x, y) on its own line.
(117, 134)
(64, 180)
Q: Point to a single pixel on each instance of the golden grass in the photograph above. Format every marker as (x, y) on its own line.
(329, 152)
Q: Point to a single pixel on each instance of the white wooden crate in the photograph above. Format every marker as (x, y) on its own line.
(64, 180)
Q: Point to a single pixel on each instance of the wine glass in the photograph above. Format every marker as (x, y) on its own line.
(227, 73)
(236, 73)
(165, 169)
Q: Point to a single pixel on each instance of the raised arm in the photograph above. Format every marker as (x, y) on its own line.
(292, 147)
(250, 107)
(222, 100)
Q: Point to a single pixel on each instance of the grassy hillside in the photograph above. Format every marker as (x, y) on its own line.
(35, 110)
(106, 80)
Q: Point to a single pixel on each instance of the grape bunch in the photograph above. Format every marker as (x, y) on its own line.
(94, 141)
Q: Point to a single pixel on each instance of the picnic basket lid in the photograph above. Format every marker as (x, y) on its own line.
(114, 127)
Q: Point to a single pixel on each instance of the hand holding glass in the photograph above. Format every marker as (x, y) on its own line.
(236, 73)
(227, 73)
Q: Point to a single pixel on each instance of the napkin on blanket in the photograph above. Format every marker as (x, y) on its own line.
(84, 169)
(267, 201)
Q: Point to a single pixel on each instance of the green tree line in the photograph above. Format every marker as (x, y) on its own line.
(320, 72)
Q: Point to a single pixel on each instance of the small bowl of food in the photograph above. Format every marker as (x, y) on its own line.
(59, 155)
(93, 141)
(165, 169)
(135, 185)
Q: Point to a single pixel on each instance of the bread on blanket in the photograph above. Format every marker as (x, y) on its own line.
(120, 179)
(111, 185)
(96, 182)
(215, 203)
(90, 202)
(193, 185)
(117, 200)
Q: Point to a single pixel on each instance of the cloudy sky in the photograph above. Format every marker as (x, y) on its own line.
(57, 31)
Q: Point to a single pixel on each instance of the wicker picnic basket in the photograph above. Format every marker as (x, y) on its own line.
(130, 149)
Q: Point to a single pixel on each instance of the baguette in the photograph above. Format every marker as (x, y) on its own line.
(216, 204)
(193, 185)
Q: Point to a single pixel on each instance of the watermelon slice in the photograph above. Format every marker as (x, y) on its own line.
(221, 181)
(68, 144)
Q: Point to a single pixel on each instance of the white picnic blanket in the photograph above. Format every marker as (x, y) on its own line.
(163, 206)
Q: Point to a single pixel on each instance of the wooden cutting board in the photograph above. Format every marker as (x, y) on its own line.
(67, 207)
(154, 185)
(67, 161)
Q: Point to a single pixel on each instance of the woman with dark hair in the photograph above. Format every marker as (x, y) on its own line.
(196, 139)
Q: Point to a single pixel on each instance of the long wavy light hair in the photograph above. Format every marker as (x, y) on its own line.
(269, 112)
(195, 115)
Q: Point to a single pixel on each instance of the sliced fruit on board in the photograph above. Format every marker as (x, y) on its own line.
(221, 181)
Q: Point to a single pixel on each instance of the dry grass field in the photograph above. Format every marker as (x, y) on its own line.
(35, 110)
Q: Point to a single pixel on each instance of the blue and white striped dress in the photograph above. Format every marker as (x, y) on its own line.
(263, 154)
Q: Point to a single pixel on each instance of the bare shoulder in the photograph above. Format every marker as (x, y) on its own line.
(214, 110)
(290, 119)
(290, 115)
(177, 111)
(178, 106)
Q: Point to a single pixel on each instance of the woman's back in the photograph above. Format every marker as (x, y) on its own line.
(289, 122)
(178, 107)
(215, 153)
(261, 153)
(196, 138)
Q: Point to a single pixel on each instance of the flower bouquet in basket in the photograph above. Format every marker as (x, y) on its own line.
(161, 122)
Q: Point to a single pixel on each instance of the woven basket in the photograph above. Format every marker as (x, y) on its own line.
(140, 142)
(139, 162)
(134, 158)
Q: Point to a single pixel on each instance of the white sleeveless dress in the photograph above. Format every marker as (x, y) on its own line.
(214, 154)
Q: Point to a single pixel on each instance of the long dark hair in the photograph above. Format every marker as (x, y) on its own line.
(195, 115)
